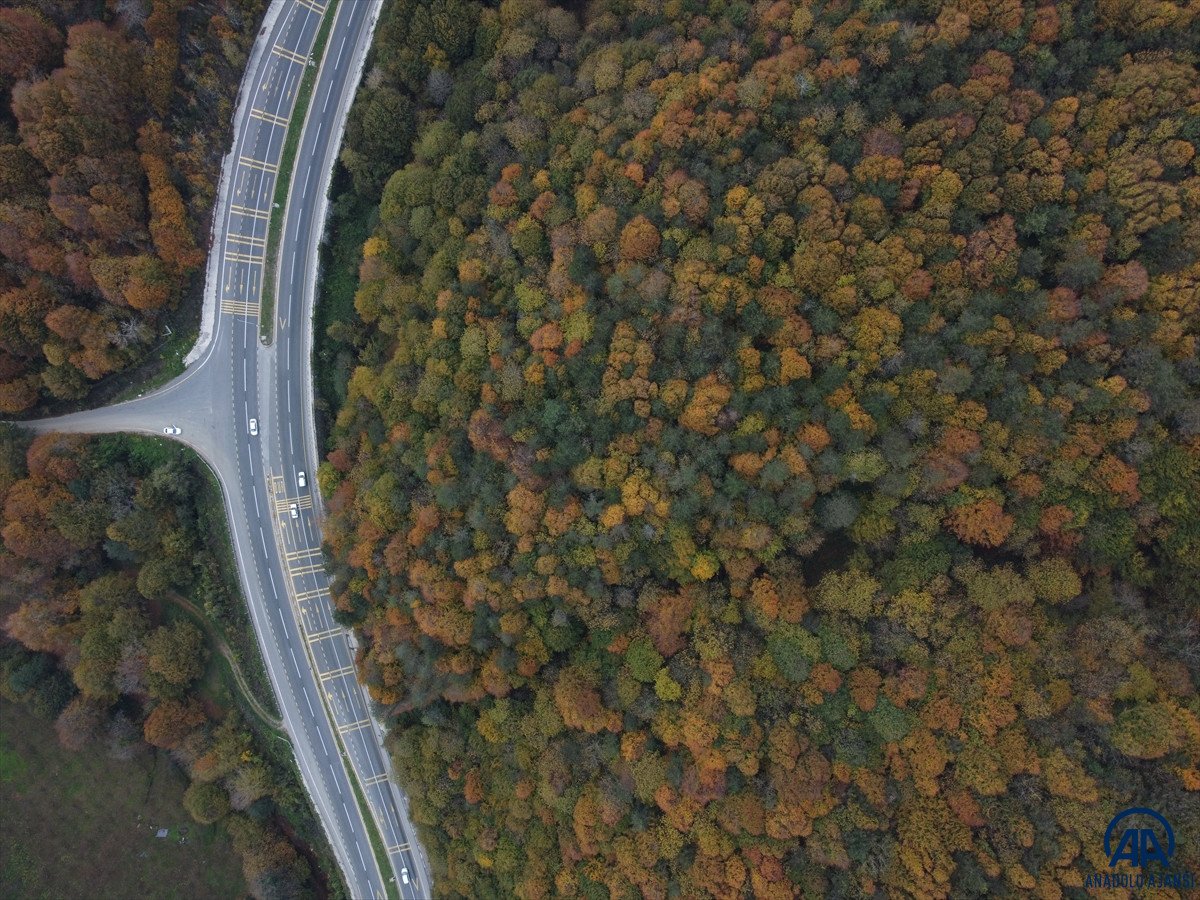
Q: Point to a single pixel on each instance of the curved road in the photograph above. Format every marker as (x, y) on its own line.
(309, 658)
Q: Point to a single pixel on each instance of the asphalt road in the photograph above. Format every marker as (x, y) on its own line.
(309, 658)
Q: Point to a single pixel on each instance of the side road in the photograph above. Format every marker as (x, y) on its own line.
(241, 406)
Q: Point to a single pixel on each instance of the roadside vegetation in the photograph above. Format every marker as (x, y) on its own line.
(113, 546)
(765, 459)
(113, 121)
(97, 818)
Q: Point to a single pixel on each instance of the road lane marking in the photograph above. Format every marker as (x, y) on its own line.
(312, 712)
(338, 64)
(294, 663)
(360, 856)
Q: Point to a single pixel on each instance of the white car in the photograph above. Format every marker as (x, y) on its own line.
(172, 429)
(301, 479)
(404, 875)
(254, 427)
(294, 510)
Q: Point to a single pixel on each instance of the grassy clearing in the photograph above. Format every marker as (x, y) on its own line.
(283, 180)
(82, 825)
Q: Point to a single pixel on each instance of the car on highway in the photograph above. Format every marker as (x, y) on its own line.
(301, 479)
(404, 875)
(254, 427)
(172, 429)
(294, 510)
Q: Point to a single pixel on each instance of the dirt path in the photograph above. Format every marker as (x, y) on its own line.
(227, 653)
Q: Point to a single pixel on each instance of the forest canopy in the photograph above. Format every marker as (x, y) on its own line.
(772, 461)
(99, 538)
(113, 120)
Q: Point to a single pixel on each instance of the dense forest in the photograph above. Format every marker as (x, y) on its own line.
(113, 120)
(99, 535)
(768, 459)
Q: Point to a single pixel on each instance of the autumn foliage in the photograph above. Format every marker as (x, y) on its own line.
(766, 459)
(113, 132)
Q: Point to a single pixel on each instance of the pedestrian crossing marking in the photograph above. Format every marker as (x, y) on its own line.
(240, 308)
(252, 163)
(289, 55)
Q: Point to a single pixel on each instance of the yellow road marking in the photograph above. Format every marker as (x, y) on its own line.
(239, 308)
(289, 55)
(250, 212)
(336, 673)
(248, 240)
(398, 848)
(300, 554)
(354, 726)
(233, 256)
(252, 163)
(282, 503)
(309, 595)
(321, 635)
(306, 570)
(315, 7)
(375, 779)
(270, 118)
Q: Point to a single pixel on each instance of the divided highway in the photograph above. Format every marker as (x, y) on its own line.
(247, 409)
